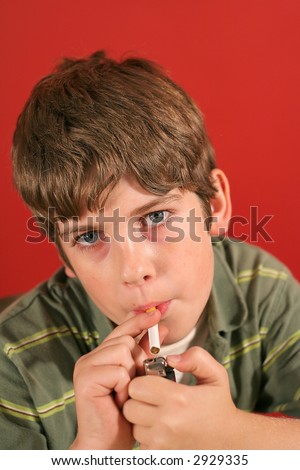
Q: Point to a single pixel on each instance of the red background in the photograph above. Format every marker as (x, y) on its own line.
(238, 59)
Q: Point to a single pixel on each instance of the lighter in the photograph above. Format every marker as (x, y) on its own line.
(158, 366)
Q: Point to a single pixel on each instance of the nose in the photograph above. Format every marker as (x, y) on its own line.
(135, 260)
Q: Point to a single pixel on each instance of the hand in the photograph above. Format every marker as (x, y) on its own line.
(169, 415)
(101, 380)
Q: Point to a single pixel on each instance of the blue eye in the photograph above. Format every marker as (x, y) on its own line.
(156, 218)
(88, 238)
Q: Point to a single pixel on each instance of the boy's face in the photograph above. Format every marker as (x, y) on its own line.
(130, 257)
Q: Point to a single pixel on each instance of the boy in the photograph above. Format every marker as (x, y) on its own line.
(114, 160)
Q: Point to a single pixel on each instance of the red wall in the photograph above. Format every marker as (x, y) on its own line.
(238, 59)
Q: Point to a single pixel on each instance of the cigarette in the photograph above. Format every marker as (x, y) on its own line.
(153, 335)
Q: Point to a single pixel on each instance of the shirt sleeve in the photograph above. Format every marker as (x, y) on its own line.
(20, 425)
(280, 388)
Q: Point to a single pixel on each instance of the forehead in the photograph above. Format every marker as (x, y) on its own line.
(131, 198)
(127, 199)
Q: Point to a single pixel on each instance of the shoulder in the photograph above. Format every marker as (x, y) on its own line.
(265, 283)
(251, 266)
(41, 337)
(246, 260)
(48, 307)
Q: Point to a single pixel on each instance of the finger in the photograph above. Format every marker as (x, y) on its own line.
(101, 381)
(148, 438)
(138, 354)
(200, 363)
(122, 350)
(136, 351)
(125, 339)
(151, 389)
(135, 325)
(141, 434)
(118, 355)
(137, 412)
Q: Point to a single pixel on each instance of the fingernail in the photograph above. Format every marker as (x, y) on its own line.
(174, 358)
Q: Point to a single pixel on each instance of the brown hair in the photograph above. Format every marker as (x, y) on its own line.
(94, 119)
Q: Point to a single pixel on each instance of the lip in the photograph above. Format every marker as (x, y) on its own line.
(161, 306)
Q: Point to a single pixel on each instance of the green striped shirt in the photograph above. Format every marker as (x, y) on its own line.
(254, 331)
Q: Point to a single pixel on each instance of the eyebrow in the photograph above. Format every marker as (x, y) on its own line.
(141, 210)
(159, 200)
(77, 229)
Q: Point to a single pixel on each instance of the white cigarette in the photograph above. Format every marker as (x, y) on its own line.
(154, 342)
(153, 335)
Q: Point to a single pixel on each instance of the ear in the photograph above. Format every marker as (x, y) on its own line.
(68, 268)
(69, 271)
(220, 203)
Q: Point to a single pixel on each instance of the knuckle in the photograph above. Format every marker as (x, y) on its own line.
(82, 384)
(123, 349)
(123, 375)
(160, 436)
(79, 366)
(181, 400)
(130, 341)
(132, 388)
(136, 433)
(127, 408)
(223, 374)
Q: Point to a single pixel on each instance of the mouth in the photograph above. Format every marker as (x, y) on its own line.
(161, 306)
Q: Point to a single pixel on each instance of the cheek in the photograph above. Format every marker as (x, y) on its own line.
(94, 279)
(100, 291)
(198, 263)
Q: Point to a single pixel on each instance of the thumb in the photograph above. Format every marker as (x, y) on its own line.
(201, 364)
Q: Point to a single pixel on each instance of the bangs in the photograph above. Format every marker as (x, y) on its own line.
(92, 122)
